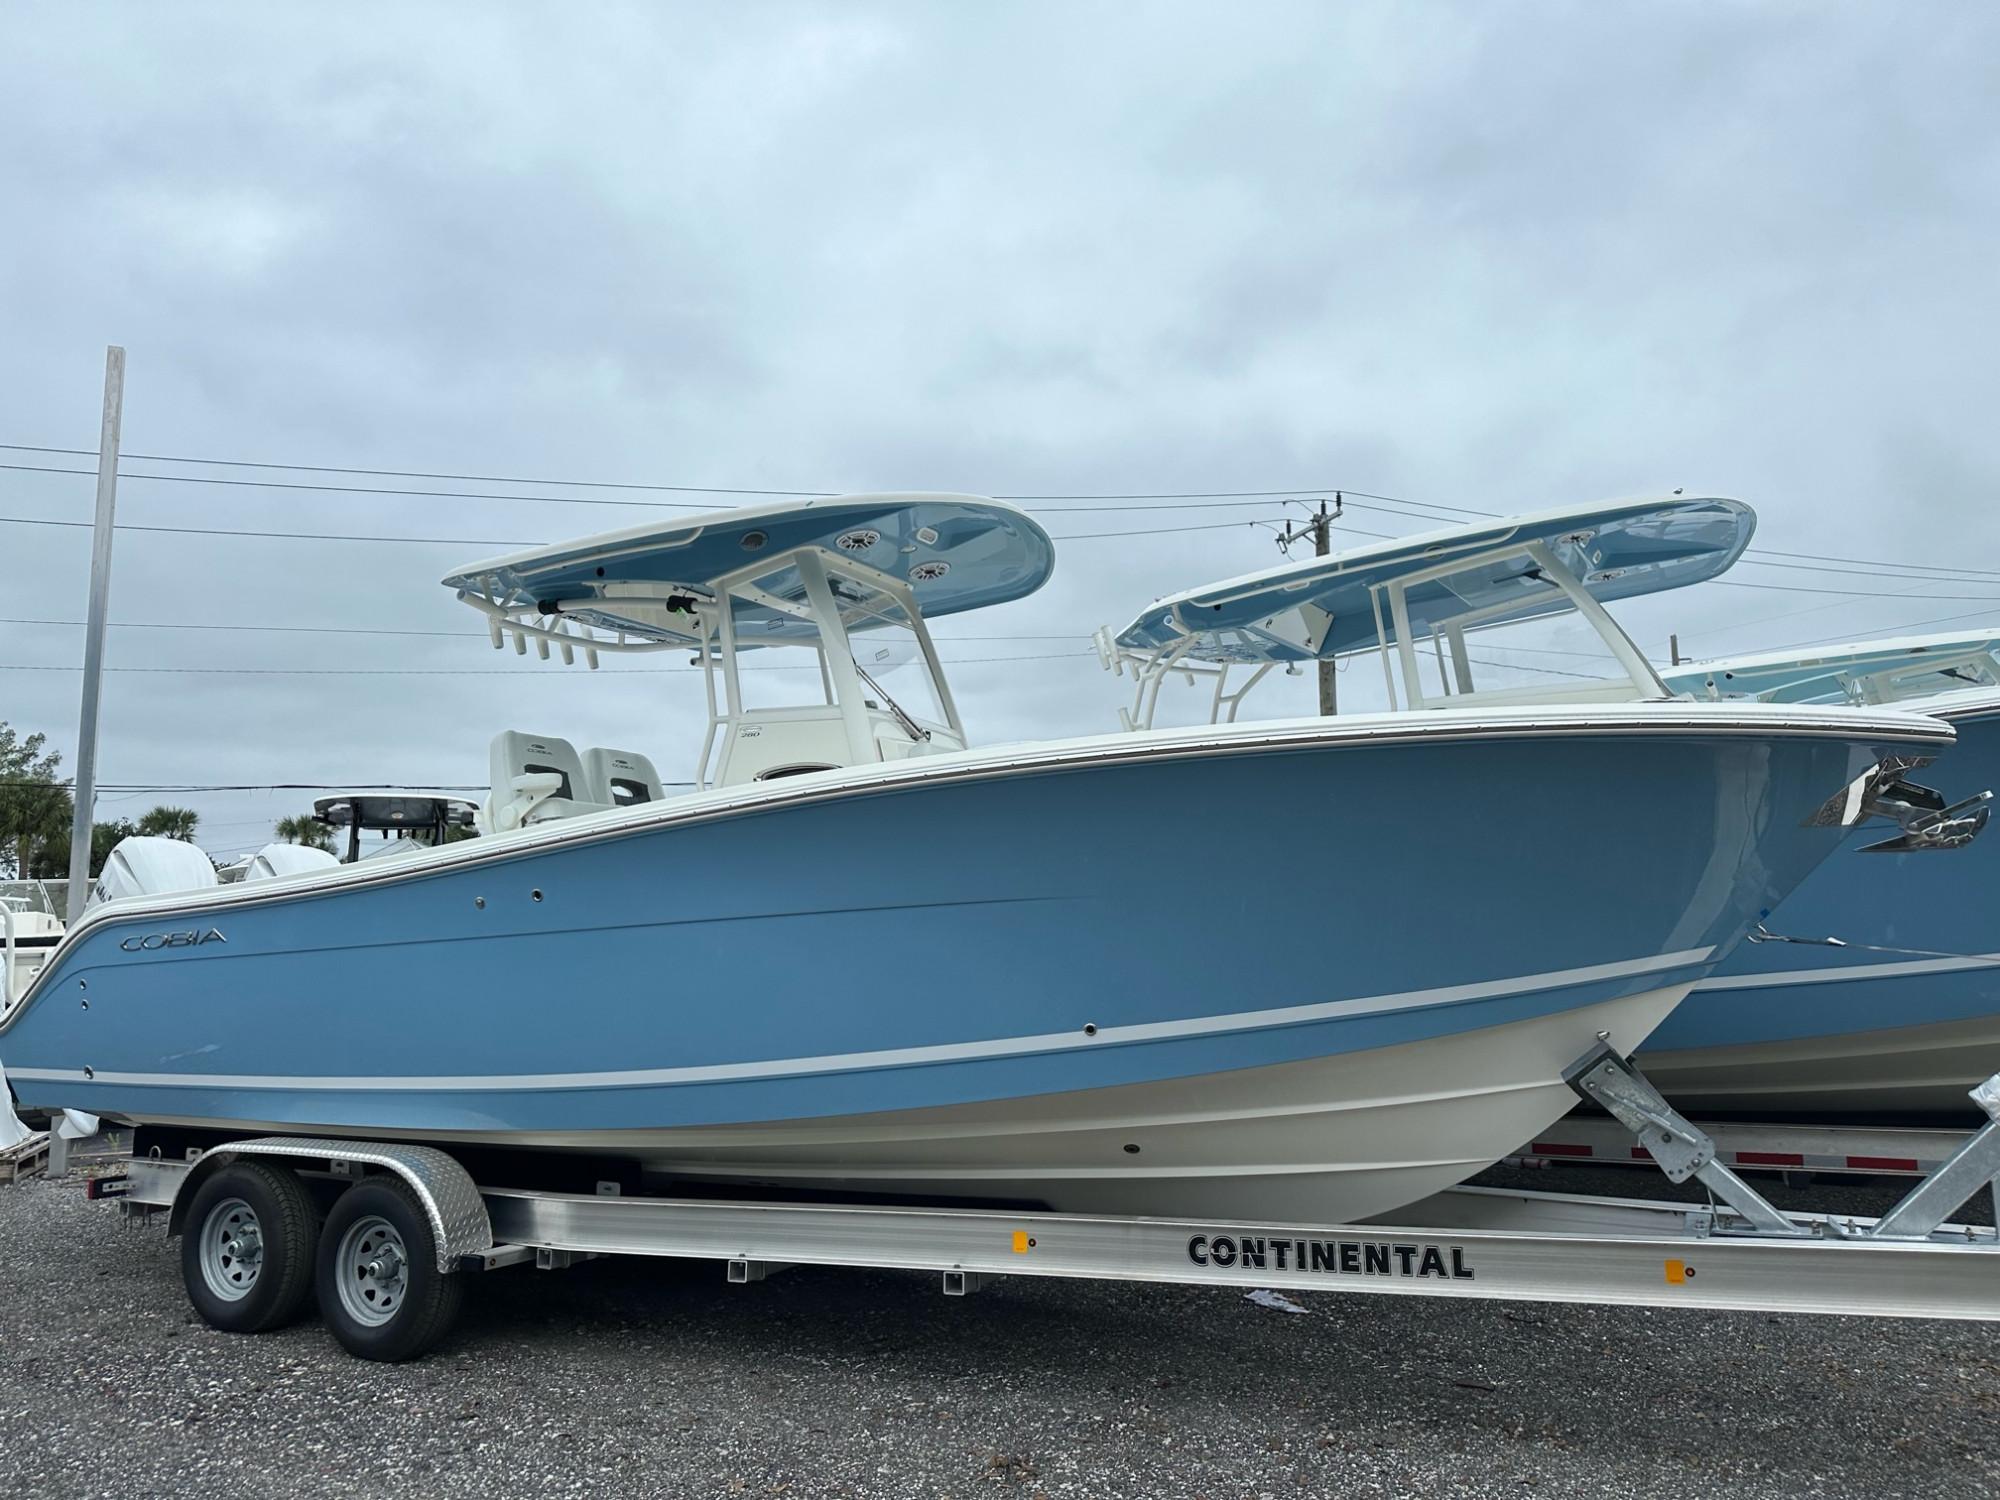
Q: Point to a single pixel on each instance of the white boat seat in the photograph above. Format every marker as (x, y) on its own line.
(621, 778)
(536, 778)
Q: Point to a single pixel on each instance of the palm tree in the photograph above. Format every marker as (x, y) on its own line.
(304, 829)
(170, 823)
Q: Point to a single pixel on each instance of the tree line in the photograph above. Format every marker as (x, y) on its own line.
(37, 807)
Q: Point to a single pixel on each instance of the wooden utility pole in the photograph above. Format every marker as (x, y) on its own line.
(1319, 526)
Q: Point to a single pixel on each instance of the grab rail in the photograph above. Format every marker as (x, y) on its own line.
(7, 959)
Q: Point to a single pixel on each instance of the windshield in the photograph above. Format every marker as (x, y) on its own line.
(29, 896)
(890, 659)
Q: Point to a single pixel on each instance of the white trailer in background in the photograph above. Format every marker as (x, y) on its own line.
(1796, 1151)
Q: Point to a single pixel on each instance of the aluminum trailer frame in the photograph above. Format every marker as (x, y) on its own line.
(1736, 1252)
(1466, 1242)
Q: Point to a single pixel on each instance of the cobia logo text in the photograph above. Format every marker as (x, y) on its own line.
(152, 942)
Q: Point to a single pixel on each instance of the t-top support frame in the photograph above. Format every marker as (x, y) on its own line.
(1396, 640)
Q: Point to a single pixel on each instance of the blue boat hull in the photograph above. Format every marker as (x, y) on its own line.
(1900, 1022)
(979, 943)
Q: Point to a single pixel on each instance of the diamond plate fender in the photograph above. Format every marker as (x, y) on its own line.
(445, 1189)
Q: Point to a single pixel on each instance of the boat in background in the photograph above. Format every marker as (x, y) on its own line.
(1091, 974)
(1419, 596)
(31, 925)
(1874, 991)
(1900, 669)
(407, 821)
(1880, 998)
(275, 860)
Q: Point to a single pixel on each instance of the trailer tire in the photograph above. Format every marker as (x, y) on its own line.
(380, 1290)
(247, 1252)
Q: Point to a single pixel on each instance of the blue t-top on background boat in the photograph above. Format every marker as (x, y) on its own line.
(1172, 972)
(1900, 1015)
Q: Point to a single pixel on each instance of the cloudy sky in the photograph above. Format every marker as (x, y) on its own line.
(1489, 257)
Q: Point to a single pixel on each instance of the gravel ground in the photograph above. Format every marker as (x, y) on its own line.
(652, 1379)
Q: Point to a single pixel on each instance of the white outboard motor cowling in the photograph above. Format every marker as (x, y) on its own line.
(276, 861)
(145, 866)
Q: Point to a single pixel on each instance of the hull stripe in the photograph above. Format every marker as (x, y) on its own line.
(949, 1052)
(1841, 973)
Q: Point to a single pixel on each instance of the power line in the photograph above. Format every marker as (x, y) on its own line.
(1246, 499)
(354, 489)
(605, 484)
(1093, 536)
(1848, 635)
(1796, 588)
(296, 536)
(959, 661)
(1212, 499)
(1512, 666)
(304, 536)
(237, 463)
(1860, 566)
(478, 635)
(459, 541)
(1204, 499)
(1789, 614)
(1546, 650)
(1921, 567)
(1876, 570)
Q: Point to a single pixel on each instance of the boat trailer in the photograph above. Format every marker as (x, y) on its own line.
(406, 1226)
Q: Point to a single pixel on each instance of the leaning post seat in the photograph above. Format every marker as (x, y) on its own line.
(536, 778)
(620, 778)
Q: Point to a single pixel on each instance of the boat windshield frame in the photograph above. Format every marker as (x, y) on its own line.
(843, 683)
(1396, 642)
(842, 595)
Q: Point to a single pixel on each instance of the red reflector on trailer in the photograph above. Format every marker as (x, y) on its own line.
(1883, 1163)
(1559, 1148)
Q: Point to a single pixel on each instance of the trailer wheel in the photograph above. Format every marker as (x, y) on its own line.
(247, 1251)
(380, 1290)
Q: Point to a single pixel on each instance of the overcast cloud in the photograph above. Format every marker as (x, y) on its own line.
(1483, 256)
